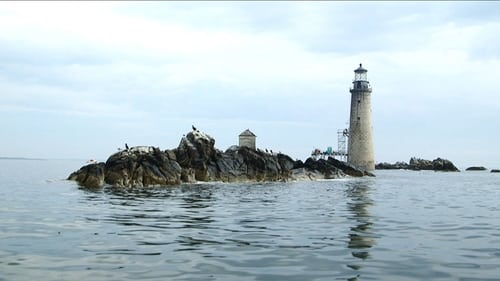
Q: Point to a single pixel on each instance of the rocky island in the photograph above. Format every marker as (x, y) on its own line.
(196, 159)
(476, 168)
(417, 164)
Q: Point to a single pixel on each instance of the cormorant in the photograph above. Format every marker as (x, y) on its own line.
(126, 146)
(194, 128)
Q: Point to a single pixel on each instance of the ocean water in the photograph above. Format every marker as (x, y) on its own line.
(401, 225)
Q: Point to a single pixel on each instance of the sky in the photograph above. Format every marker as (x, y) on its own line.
(78, 80)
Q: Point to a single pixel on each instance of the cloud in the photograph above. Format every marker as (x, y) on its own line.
(190, 64)
(146, 71)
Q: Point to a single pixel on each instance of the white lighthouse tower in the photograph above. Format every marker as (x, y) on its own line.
(360, 149)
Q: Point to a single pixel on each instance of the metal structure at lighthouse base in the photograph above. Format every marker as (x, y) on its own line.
(340, 153)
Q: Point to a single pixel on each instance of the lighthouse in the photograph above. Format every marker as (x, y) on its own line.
(360, 148)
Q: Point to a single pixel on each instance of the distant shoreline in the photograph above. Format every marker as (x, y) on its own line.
(42, 159)
(20, 158)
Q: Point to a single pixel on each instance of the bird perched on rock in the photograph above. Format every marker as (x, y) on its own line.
(194, 128)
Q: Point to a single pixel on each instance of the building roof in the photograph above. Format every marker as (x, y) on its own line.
(247, 133)
(360, 69)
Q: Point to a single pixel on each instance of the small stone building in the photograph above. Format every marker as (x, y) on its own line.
(247, 138)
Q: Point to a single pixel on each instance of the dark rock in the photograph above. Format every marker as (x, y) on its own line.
(246, 164)
(188, 175)
(195, 150)
(197, 159)
(298, 164)
(286, 163)
(368, 174)
(91, 176)
(142, 166)
(197, 153)
(171, 154)
(333, 168)
(418, 164)
(476, 168)
(495, 170)
(324, 167)
(395, 166)
(384, 166)
(348, 168)
(444, 165)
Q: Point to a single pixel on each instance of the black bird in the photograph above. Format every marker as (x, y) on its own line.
(194, 128)
(126, 146)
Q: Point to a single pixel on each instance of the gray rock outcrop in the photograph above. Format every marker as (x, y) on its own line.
(196, 159)
(476, 168)
(197, 153)
(142, 166)
(437, 164)
(396, 166)
(91, 176)
(418, 164)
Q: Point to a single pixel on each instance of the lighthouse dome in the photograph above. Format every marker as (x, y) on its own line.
(360, 69)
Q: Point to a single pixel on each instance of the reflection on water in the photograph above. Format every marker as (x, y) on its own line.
(216, 222)
(189, 207)
(199, 219)
(153, 216)
(361, 236)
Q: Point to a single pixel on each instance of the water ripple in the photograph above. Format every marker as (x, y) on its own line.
(397, 226)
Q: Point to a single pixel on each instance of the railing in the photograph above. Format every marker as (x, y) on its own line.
(367, 89)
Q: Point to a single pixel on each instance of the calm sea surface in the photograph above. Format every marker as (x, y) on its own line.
(400, 225)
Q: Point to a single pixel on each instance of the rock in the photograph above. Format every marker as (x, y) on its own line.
(245, 164)
(171, 154)
(444, 165)
(368, 174)
(142, 166)
(328, 170)
(188, 175)
(383, 166)
(348, 168)
(298, 164)
(303, 174)
(333, 168)
(91, 176)
(495, 170)
(476, 168)
(286, 163)
(197, 159)
(195, 150)
(418, 164)
(395, 166)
